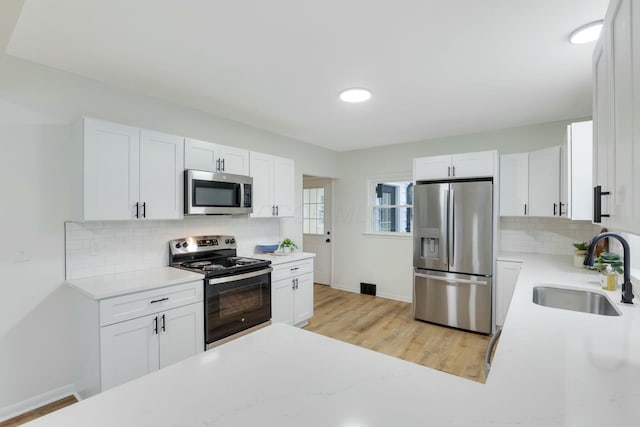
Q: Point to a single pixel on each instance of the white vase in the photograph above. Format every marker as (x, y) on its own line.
(578, 259)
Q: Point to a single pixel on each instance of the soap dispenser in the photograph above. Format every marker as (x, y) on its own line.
(608, 279)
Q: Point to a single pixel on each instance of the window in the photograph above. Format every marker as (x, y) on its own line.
(391, 206)
(313, 214)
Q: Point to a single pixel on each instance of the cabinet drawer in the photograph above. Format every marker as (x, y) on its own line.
(125, 307)
(291, 269)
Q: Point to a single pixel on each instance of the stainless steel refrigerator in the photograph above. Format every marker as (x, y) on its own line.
(453, 253)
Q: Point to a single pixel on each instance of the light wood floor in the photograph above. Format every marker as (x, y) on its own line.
(387, 326)
(37, 413)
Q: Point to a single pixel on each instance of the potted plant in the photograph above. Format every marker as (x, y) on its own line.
(581, 251)
(288, 246)
(600, 263)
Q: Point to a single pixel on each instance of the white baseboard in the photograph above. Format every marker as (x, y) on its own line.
(36, 402)
(381, 295)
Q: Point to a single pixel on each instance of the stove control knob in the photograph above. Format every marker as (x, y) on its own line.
(215, 242)
(185, 244)
(178, 245)
(227, 241)
(233, 240)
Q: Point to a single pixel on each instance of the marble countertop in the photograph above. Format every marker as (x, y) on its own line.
(551, 368)
(279, 258)
(110, 285)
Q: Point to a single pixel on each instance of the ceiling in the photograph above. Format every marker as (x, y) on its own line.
(435, 67)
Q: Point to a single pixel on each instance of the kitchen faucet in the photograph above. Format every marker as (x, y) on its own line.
(627, 288)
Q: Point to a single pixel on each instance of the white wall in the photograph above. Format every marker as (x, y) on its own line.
(37, 105)
(388, 261)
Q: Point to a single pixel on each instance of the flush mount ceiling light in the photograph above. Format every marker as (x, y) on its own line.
(355, 94)
(587, 33)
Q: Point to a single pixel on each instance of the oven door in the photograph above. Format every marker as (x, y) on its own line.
(216, 193)
(236, 303)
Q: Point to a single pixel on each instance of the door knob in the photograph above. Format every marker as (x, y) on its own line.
(328, 240)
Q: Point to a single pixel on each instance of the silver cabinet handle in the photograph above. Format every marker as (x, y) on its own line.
(273, 210)
(218, 165)
(487, 356)
(159, 300)
(448, 170)
(277, 210)
(294, 269)
(293, 284)
(222, 165)
(453, 171)
(525, 209)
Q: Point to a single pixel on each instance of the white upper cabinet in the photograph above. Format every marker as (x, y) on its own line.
(207, 156)
(161, 176)
(273, 190)
(616, 107)
(111, 169)
(544, 182)
(467, 165)
(129, 173)
(514, 184)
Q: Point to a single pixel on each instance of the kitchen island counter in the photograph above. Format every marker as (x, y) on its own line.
(551, 368)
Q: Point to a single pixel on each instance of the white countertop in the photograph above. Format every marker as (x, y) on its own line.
(551, 368)
(110, 285)
(279, 258)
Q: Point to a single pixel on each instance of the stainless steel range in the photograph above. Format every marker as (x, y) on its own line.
(237, 289)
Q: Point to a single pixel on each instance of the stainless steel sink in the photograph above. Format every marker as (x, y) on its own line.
(575, 300)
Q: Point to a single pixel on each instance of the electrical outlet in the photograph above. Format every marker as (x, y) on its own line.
(23, 254)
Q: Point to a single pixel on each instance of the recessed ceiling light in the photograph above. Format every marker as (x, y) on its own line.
(586, 33)
(355, 95)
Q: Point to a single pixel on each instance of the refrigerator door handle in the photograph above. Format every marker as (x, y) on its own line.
(451, 280)
(444, 233)
(451, 242)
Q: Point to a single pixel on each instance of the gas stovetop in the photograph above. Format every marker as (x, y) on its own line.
(211, 255)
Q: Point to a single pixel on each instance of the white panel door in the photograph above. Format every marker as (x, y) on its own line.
(200, 155)
(128, 350)
(544, 182)
(261, 170)
(303, 298)
(471, 165)
(621, 42)
(581, 153)
(233, 160)
(434, 167)
(284, 186)
(603, 154)
(282, 301)
(181, 333)
(161, 175)
(111, 179)
(506, 278)
(320, 240)
(514, 184)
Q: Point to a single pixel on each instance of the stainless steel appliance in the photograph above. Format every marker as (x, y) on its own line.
(237, 289)
(453, 253)
(209, 193)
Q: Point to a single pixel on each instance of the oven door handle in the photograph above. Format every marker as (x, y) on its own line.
(236, 277)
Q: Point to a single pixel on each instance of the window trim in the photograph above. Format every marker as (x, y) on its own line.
(371, 183)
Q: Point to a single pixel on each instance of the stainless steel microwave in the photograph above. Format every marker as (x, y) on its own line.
(209, 193)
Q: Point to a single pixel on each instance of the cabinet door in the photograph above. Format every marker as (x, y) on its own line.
(200, 155)
(303, 299)
(470, 165)
(544, 182)
(603, 155)
(435, 167)
(284, 186)
(581, 161)
(181, 333)
(282, 301)
(514, 184)
(128, 350)
(111, 170)
(161, 175)
(506, 278)
(233, 160)
(621, 57)
(261, 170)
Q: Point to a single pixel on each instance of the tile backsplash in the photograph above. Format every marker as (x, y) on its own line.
(96, 248)
(543, 235)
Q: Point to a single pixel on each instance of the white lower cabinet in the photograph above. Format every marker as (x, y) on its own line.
(139, 346)
(137, 334)
(506, 278)
(292, 292)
